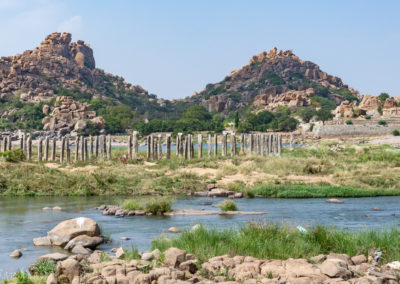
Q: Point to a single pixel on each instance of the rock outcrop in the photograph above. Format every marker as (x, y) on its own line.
(271, 79)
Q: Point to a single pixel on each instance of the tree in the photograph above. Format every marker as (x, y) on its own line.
(306, 113)
(383, 97)
(197, 112)
(236, 119)
(324, 114)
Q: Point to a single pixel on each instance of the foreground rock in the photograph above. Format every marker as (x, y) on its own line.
(78, 231)
(180, 267)
(16, 254)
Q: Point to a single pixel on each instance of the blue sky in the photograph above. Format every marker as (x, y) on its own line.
(173, 48)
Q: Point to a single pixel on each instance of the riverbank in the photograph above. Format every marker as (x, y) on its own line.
(327, 170)
(256, 253)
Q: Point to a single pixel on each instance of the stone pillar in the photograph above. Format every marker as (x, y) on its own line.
(291, 141)
(130, 147)
(181, 144)
(4, 148)
(104, 147)
(215, 145)
(148, 144)
(53, 150)
(262, 144)
(177, 145)
(274, 144)
(26, 143)
(242, 143)
(279, 144)
(29, 148)
(109, 147)
(96, 142)
(87, 149)
(9, 144)
(224, 145)
(159, 145)
(233, 145)
(21, 143)
(40, 149)
(62, 150)
(185, 148)
(68, 149)
(209, 146)
(135, 142)
(76, 148)
(168, 146)
(199, 146)
(91, 147)
(155, 148)
(82, 148)
(46, 149)
(251, 144)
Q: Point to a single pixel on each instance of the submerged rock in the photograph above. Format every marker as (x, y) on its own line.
(334, 200)
(174, 230)
(16, 254)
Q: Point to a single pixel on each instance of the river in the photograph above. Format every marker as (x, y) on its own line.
(22, 219)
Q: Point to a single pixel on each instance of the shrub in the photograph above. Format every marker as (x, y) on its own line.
(151, 205)
(382, 122)
(44, 267)
(227, 205)
(132, 253)
(349, 122)
(312, 127)
(396, 132)
(368, 117)
(15, 155)
(22, 277)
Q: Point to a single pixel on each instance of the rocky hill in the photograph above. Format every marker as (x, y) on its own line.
(58, 67)
(273, 79)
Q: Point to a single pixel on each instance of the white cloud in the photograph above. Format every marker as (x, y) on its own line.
(72, 25)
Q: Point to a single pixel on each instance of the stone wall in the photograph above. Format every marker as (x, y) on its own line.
(368, 129)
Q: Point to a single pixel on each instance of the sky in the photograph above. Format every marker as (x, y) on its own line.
(173, 48)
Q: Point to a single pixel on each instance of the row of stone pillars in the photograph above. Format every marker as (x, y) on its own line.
(87, 148)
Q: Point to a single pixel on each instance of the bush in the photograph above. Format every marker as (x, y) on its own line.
(151, 205)
(227, 205)
(22, 277)
(44, 267)
(368, 117)
(14, 156)
(396, 132)
(382, 122)
(349, 122)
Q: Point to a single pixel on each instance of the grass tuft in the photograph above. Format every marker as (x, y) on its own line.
(227, 205)
(151, 205)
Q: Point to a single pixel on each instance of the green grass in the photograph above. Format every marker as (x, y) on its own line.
(131, 253)
(314, 191)
(44, 267)
(151, 204)
(227, 205)
(270, 241)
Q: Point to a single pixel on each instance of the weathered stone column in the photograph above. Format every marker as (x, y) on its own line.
(291, 141)
(263, 148)
(96, 142)
(251, 144)
(62, 150)
(177, 145)
(279, 144)
(199, 146)
(53, 150)
(104, 147)
(4, 148)
(185, 147)
(148, 145)
(233, 145)
(130, 147)
(91, 147)
(82, 148)
(155, 148)
(274, 147)
(168, 146)
(215, 145)
(242, 143)
(46, 149)
(26, 136)
(40, 149)
(21, 143)
(209, 146)
(159, 145)
(87, 149)
(224, 144)
(189, 146)
(109, 147)
(67, 149)
(135, 142)
(29, 148)
(181, 144)
(9, 144)
(76, 148)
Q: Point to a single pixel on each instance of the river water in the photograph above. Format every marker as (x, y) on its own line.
(22, 219)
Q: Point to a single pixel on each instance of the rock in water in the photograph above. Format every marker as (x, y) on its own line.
(334, 200)
(174, 230)
(16, 254)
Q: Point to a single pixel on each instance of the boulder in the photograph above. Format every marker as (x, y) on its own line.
(335, 268)
(358, 259)
(80, 125)
(85, 241)
(189, 265)
(69, 229)
(120, 253)
(16, 254)
(79, 249)
(51, 279)
(174, 257)
(174, 230)
(147, 256)
(53, 256)
(67, 270)
(42, 241)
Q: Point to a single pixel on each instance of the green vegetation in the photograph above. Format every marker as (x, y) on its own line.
(270, 241)
(44, 267)
(306, 113)
(15, 155)
(368, 117)
(382, 97)
(308, 191)
(346, 94)
(151, 205)
(349, 122)
(396, 132)
(382, 122)
(272, 78)
(227, 205)
(264, 120)
(131, 253)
